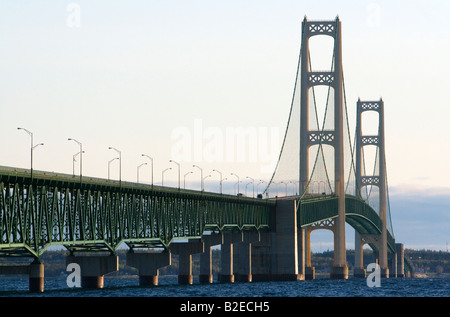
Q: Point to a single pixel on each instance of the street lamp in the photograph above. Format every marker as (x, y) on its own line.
(184, 183)
(32, 147)
(162, 182)
(260, 182)
(178, 171)
(201, 176)
(120, 163)
(276, 187)
(74, 159)
(285, 184)
(151, 160)
(220, 179)
(81, 156)
(137, 172)
(237, 182)
(109, 164)
(253, 182)
(203, 180)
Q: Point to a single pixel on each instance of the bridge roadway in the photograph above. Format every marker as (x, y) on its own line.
(100, 218)
(93, 214)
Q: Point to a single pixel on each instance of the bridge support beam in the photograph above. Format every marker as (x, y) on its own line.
(94, 268)
(285, 249)
(148, 265)
(244, 256)
(226, 270)
(262, 259)
(185, 251)
(358, 270)
(400, 250)
(206, 275)
(392, 261)
(35, 272)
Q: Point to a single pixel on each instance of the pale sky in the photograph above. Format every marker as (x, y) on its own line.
(176, 79)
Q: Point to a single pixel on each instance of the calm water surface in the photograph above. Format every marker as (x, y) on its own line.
(168, 287)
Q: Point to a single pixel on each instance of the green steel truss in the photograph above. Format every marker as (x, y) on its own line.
(92, 214)
(358, 214)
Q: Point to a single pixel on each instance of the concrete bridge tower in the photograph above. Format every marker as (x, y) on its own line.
(333, 137)
(379, 180)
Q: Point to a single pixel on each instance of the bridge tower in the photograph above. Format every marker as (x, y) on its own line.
(333, 137)
(379, 179)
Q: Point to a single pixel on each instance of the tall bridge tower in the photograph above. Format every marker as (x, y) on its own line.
(378, 178)
(333, 136)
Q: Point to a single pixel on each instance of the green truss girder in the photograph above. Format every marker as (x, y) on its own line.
(98, 215)
(358, 214)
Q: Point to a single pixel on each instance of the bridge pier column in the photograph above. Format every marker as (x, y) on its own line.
(185, 251)
(226, 270)
(392, 260)
(94, 268)
(310, 271)
(148, 265)
(359, 270)
(301, 244)
(286, 242)
(399, 247)
(262, 258)
(244, 252)
(36, 276)
(206, 275)
(35, 272)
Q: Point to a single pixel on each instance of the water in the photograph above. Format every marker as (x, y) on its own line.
(168, 287)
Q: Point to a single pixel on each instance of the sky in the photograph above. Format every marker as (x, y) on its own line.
(188, 80)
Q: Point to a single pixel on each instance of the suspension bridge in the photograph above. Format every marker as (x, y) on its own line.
(264, 238)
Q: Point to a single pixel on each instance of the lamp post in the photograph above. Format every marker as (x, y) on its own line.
(203, 180)
(201, 176)
(285, 184)
(220, 179)
(253, 182)
(109, 164)
(137, 172)
(81, 156)
(184, 183)
(32, 147)
(162, 174)
(120, 163)
(178, 171)
(260, 182)
(151, 160)
(74, 159)
(276, 187)
(237, 182)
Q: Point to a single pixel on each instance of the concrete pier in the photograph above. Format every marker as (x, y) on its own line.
(244, 256)
(262, 259)
(36, 277)
(226, 274)
(400, 250)
(286, 244)
(184, 250)
(310, 271)
(358, 269)
(148, 265)
(94, 268)
(34, 270)
(209, 241)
